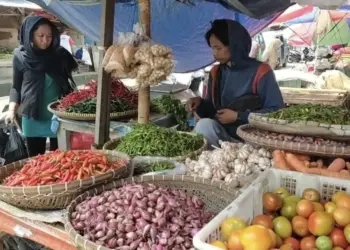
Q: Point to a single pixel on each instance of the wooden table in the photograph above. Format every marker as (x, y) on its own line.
(67, 126)
(53, 237)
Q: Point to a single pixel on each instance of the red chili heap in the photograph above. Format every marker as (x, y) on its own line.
(118, 90)
(60, 167)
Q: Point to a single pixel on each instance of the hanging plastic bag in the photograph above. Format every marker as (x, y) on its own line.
(15, 149)
(142, 165)
(3, 141)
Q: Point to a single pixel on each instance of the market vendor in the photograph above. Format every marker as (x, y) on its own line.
(236, 87)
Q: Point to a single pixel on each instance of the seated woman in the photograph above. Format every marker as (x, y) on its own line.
(236, 87)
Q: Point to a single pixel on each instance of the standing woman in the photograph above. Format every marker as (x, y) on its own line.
(42, 73)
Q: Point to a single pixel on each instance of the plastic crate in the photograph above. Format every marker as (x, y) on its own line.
(249, 203)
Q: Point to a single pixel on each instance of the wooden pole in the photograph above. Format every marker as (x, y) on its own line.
(104, 79)
(144, 92)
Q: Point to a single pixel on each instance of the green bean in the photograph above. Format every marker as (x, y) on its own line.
(152, 140)
(317, 113)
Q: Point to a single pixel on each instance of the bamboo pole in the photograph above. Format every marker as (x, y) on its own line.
(144, 92)
(104, 79)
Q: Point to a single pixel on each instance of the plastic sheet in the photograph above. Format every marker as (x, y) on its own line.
(140, 162)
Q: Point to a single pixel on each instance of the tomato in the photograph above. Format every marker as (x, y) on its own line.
(219, 244)
(320, 223)
(231, 224)
(330, 207)
(337, 195)
(324, 243)
(282, 227)
(347, 233)
(282, 192)
(300, 226)
(338, 238)
(286, 247)
(343, 201)
(256, 238)
(294, 243)
(308, 243)
(289, 210)
(234, 243)
(305, 208)
(318, 206)
(272, 202)
(338, 248)
(273, 238)
(311, 195)
(263, 220)
(342, 216)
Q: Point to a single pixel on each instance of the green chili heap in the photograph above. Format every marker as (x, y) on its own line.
(168, 105)
(317, 113)
(152, 140)
(89, 106)
(154, 167)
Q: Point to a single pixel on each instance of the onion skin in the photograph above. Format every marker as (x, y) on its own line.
(140, 217)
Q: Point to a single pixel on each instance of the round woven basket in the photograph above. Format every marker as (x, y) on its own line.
(246, 133)
(86, 117)
(57, 196)
(112, 145)
(304, 128)
(216, 196)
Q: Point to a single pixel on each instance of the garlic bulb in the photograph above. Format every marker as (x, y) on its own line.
(243, 153)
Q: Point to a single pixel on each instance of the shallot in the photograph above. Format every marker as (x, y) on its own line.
(140, 217)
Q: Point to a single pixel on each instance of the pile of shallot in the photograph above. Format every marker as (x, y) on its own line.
(141, 217)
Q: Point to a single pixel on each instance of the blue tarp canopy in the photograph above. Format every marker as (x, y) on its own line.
(176, 25)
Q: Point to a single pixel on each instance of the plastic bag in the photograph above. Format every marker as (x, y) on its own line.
(3, 141)
(140, 162)
(15, 149)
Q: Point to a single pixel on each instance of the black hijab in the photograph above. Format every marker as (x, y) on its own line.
(55, 60)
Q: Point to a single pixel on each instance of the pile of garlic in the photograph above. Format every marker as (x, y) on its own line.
(229, 163)
(149, 64)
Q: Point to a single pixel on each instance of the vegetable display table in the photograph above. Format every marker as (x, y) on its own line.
(53, 237)
(117, 128)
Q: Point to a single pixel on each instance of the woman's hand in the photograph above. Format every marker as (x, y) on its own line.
(10, 117)
(226, 116)
(193, 103)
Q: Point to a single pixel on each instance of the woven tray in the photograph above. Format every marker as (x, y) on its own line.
(245, 132)
(112, 145)
(86, 117)
(304, 128)
(57, 196)
(216, 196)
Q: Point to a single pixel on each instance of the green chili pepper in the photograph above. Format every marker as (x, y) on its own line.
(89, 106)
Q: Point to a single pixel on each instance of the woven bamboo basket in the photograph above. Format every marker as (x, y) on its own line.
(57, 196)
(216, 196)
(112, 145)
(305, 128)
(246, 132)
(86, 117)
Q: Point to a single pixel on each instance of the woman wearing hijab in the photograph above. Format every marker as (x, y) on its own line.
(236, 87)
(42, 73)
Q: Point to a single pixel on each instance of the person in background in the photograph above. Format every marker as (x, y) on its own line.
(42, 73)
(236, 87)
(66, 41)
(254, 52)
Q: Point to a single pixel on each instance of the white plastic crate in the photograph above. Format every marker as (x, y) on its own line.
(249, 203)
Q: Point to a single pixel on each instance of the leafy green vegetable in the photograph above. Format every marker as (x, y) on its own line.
(166, 104)
(152, 140)
(317, 113)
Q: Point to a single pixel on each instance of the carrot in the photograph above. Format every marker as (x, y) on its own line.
(326, 172)
(279, 160)
(345, 172)
(319, 163)
(337, 165)
(303, 157)
(348, 165)
(313, 164)
(295, 163)
(307, 164)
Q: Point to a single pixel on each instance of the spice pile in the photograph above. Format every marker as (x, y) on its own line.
(152, 140)
(337, 168)
(141, 217)
(149, 64)
(316, 113)
(229, 163)
(120, 96)
(60, 167)
(297, 138)
(166, 104)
